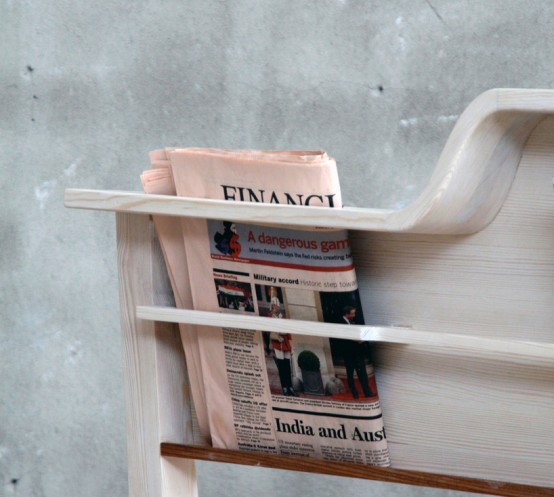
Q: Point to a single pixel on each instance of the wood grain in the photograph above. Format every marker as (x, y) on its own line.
(154, 368)
(497, 349)
(490, 419)
(354, 471)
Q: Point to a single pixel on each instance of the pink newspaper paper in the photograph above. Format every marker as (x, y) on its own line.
(278, 392)
(159, 181)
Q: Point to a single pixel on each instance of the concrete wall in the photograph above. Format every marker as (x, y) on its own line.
(88, 88)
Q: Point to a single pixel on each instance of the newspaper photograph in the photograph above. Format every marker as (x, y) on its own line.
(294, 394)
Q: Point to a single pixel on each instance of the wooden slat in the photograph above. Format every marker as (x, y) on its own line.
(354, 471)
(275, 214)
(511, 350)
(154, 369)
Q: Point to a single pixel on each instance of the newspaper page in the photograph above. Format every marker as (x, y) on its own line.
(159, 181)
(278, 393)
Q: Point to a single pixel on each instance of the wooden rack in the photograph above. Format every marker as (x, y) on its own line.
(457, 289)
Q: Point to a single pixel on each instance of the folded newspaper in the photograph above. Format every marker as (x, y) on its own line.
(277, 393)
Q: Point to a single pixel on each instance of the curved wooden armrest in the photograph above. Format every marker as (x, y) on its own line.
(467, 189)
(477, 166)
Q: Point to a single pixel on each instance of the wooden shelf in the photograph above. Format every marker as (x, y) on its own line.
(498, 349)
(285, 215)
(390, 475)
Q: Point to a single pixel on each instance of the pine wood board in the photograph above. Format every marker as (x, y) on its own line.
(470, 415)
(496, 349)
(175, 451)
(157, 404)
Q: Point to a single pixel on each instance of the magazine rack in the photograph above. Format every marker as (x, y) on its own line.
(457, 289)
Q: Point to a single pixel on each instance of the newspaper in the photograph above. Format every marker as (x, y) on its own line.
(159, 181)
(277, 393)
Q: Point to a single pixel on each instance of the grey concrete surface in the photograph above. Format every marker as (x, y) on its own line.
(88, 88)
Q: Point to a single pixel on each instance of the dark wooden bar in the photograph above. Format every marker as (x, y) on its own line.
(389, 475)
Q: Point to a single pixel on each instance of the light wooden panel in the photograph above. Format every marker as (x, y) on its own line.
(468, 415)
(157, 406)
(174, 451)
(513, 351)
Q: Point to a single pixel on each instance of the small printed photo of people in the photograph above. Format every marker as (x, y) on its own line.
(234, 295)
(277, 346)
(271, 301)
(350, 357)
(306, 366)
